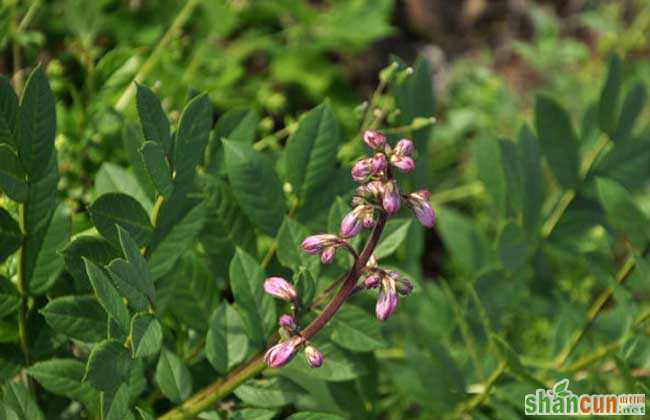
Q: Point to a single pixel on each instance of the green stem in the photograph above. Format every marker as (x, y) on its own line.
(478, 399)
(157, 53)
(457, 193)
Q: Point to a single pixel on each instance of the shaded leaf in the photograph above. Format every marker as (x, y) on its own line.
(120, 209)
(226, 344)
(354, 329)
(155, 124)
(107, 295)
(8, 111)
(113, 178)
(191, 139)
(10, 235)
(173, 377)
(79, 317)
(393, 236)
(12, 175)
(64, 377)
(155, 161)
(146, 335)
(108, 365)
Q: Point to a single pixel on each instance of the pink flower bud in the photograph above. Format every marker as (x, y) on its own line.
(419, 202)
(362, 170)
(403, 163)
(404, 148)
(387, 299)
(374, 139)
(282, 353)
(379, 163)
(391, 201)
(327, 256)
(280, 288)
(314, 244)
(313, 356)
(376, 188)
(287, 322)
(372, 281)
(351, 223)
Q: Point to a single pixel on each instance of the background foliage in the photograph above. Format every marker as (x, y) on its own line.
(539, 163)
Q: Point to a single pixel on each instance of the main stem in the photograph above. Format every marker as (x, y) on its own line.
(222, 387)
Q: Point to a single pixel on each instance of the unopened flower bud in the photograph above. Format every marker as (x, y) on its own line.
(352, 222)
(327, 256)
(403, 286)
(314, 244)
(374, 139)
(372, 281)
(282, 353)
(387, 299)
(362, 170)
(287, 322)
(368, 220)
(419, 202)
(280, 288)
(372, 261)
(313, 356)
(379, 163)
(403, 163)
(391, 200)
(358, 201)
(404, 148)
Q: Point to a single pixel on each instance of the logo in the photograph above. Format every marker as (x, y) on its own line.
(561, 401)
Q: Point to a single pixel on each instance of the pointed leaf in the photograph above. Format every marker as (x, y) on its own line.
(12, 175)
(155, 161)
(146, 335)
(155, 124)
(114, 209)
(173, 377)
(78, 317)
(608, 105)
(8, 111)
(107, 295)
(256, 186)
(191, 139)
(394, 234)
(112, 178)
(10, 235)
(19, 399)
(632, 107)
(108, 365)
(355, 330)
(226, 344)
(64, 377)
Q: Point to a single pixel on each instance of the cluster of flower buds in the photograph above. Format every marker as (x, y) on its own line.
(377, 193)
(283, 352)
(390, 284)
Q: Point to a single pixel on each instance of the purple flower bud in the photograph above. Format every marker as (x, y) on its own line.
(379, 163)
(282, 353)
(315, 243)
(368, 219)
(374, 139)
(327, 256)
(419, 202)
(362, 170)
(280, 288)
(387, 299)
(403, 286)
(391, 201)
(351, 223)
(372, 281)
(376, 188)
(403, 163)
(287, 322)
(314, 356)
(404, 148)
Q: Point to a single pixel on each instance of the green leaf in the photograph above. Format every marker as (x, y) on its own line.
(253, 414)
(10, 235)
(633, 106)
(415, 98)
(557, 140)
(226, 344)
(12, 175)
(112, 178)
(155, 161)
(290, 254)
(107, 295)
(466, 243)
(532, 179)
(305, 285)
(336, 213)
(146, 335)
(43, 260)
(191, 139)
(173, 377)
(145, 415)
(42, 197)
(133, 140)
(310, 154)
(79, 317)
(9, 297)
(155, 124)
(621, 210)
(127, 281)
(609, 96)
(36, 124)
(114, 209)
(225, 227)
(394, 234)
(268, 393)
(96, 249)
(64, 377)
(354, 329)
(8, 111)
(238, 124)
(170, 242)
(256, 186)
(108, 365)
(18, 398)
(512, 246)
(138, 265)
(487, 158)
(115, 404)
(256, 307)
